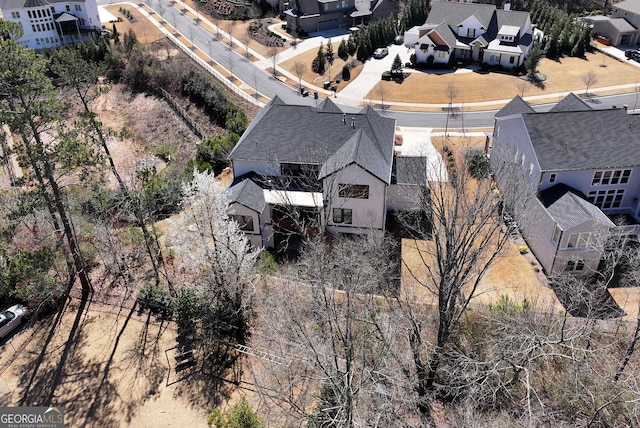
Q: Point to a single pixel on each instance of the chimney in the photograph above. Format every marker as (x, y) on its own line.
(344, 118)
(507, 6)
(353, 122)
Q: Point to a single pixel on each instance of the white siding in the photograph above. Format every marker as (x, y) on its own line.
(403, 197)
(366, 213)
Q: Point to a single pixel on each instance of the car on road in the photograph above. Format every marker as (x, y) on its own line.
(11, 318)
(380, 53)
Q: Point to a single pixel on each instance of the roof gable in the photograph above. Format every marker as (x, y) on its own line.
(632, 6)
(569, 209)
(249, 194)
(359, 150)
(516, 106)
(570, 103)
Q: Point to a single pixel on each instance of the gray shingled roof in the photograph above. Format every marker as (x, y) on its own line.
(249, 194)
(307, 135)
(570, 103)
(632, 6)
(306, 7)
(621, 25)
(511, 18)
(447, 35)
(571, 210)
(455, 13)
(515, 106)
(20, 4)
(578, 140)
(410, 170)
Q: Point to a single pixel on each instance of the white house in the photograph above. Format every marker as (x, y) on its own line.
(580, 169)
(472, 32)
(300, 170)
(50, 23)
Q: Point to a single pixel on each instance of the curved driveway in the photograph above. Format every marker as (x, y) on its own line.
(252, 75)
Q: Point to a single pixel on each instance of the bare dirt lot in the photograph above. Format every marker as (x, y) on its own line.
(108, 368)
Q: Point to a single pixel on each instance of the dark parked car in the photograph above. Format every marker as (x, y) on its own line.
(633, 54)
(398, 40)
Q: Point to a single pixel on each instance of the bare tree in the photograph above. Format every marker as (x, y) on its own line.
(523, 86)
(382, 92)
(299, 68)
(232, 26)
(452, 93)
(245, 38)
(216, 22)
(589, 80)
(273, 54)
(459, 236)
(322, 319)
(161, 10)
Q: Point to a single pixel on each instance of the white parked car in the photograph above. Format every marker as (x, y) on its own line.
(11, 318)
(380, 53)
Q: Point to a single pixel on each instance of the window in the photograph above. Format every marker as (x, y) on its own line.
(244, 221)
(29, 13)
(471, 32)
(341, 215)
(78, 8)
(33, 28)
(604, 178)
(15, 15)
(68, 8)
(492, 58)
(557, 232)
(576, 265)
(298, 170)
(53, 9)
(552, 178)
(606, 199)
(359, 191)
(511, 60)
(39, 13)
(582, 240)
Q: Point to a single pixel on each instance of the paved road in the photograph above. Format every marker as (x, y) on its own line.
(267, 85)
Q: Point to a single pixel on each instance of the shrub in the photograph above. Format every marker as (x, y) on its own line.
(317, 66)
(478, 163)
(212, 153)
(266, 263)
(155, 298)
(346, 73)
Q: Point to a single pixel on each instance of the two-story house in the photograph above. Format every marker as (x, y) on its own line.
(300, 170)
(310, 16)
(572, 176)
(51, 23)
(622, 27)
(472, 32)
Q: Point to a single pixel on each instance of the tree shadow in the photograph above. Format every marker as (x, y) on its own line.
(585, 299)
(217, 373)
